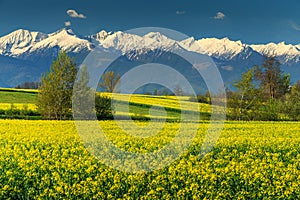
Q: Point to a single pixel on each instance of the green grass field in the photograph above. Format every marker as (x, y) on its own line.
(17, 96)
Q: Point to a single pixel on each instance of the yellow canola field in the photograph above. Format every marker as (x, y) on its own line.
(19, 106)
(180, 102)
(47, 160)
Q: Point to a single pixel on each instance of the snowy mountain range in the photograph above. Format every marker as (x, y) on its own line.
(25, 55)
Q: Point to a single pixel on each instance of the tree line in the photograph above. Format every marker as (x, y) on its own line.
(264, 93)
(56, 91)
(29, 85)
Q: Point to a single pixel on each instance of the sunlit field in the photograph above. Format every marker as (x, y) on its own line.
(139, 105)
(42, 159)
(46, 159)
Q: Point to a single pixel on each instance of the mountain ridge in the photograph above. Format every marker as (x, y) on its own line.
(216, 47)
(231, 57)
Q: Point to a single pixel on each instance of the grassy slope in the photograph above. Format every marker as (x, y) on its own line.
(139, 105)
(17, 96)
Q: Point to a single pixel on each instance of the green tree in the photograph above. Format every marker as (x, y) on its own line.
(246, 97)
(86, 102)
(269, 110)
(178, 90)
(291, 103)
(103, 106)
(55, 92)
(273, 82)
(83, 96)
(109, 81)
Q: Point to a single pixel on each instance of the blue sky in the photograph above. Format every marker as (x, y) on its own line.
(250, 21)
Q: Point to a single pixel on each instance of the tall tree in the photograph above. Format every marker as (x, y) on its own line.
(273, 82)
(83, 96)
(109, 81)
(178, 90)
(246, 95)
(55, 92)
(86, 102)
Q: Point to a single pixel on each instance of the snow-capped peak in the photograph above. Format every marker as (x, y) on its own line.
(19, 41)
(23, 41)
(279, 49)
(62, 32)
(285, 52)
(224, 48)
(158, 37)
(123, 42)
(100, 36)
(157, 40)
(65, 39)
(127, 42)
(192, 45)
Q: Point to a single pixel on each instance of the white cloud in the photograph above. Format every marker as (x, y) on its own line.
(75, 14)
(295, 26)
(67, 23)
(180, 12)
(227, 67)
(219, 16)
